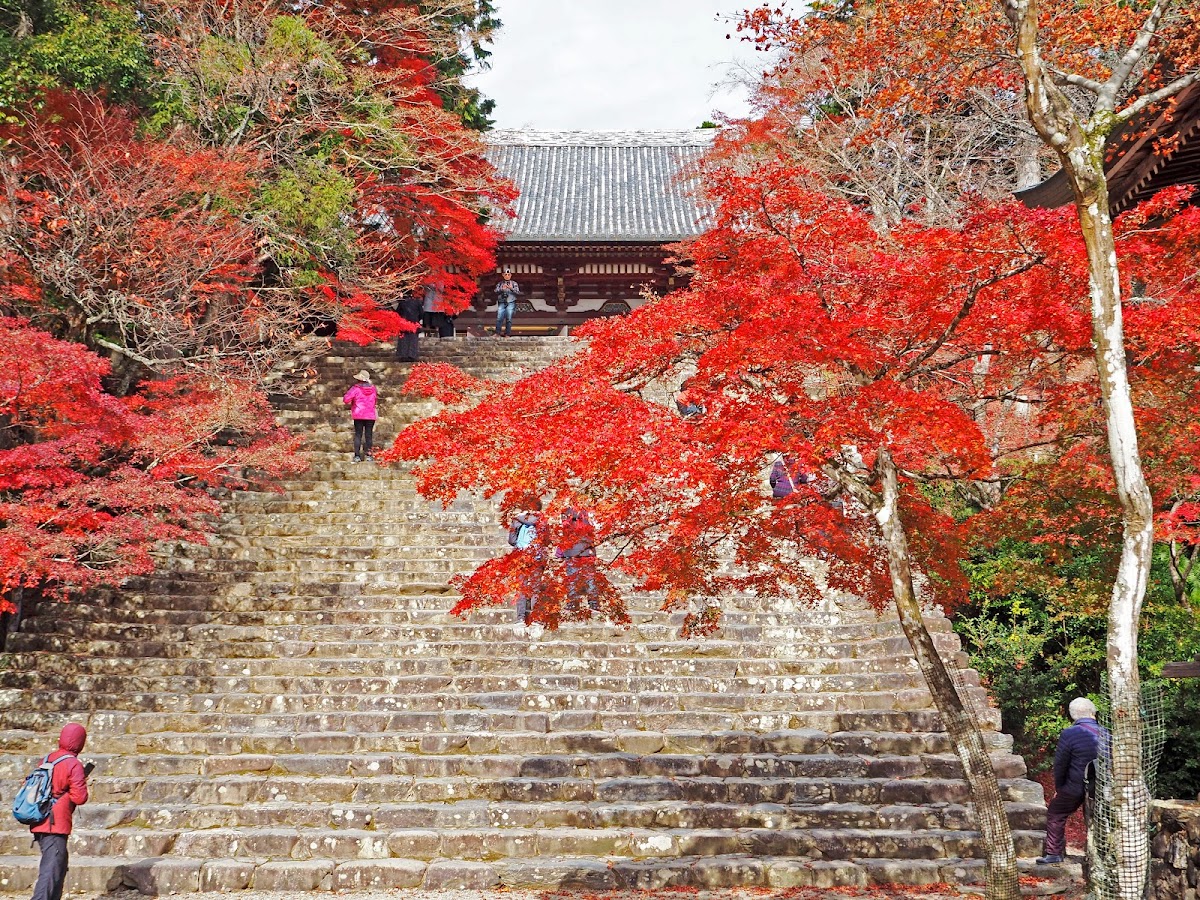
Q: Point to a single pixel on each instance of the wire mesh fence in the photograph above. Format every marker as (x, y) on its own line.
(1109, 847)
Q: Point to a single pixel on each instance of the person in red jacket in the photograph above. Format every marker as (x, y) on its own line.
(69, 785)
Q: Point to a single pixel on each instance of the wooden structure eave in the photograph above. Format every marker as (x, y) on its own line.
(1137, 169)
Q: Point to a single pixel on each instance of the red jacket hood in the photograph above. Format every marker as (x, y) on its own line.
(72, 738)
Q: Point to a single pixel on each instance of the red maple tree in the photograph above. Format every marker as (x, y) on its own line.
(291, 172)
(879, 367)
(89, 482)
(1083, 73)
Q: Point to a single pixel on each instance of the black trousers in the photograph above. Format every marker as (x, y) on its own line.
(1061, 808)
(52, 872)
(364, 430)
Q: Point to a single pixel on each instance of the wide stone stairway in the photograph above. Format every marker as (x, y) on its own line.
(293, 707)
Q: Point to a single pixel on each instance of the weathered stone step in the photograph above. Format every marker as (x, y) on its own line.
(313, 687)
(286, 556)
(536, 699)
(199, 591)
(880, 637)
(382, 667)
(509, 721)
(473, 814)
(578, 646)
(107, 735)
(340, 501)
(102, 875)
(115, 774)
(492, 844)
(365, 536)
(499, 720)
(242, 790)
(161, 610)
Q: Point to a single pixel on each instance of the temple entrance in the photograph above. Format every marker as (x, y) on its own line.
(594, 226)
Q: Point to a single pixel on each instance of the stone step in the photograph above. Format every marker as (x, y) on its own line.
(536, 699)
(107, 735)
(383, 667)
(195, 591)
(159, 610)
(881, 637)
(116, 774)
(514, 843)
(883, 654)
(101, 875)
(472, 814)
(313, 688)
(492, 720)
(339, 537)
(239, 790)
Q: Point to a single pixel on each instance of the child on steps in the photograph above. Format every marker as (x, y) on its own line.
(361, 400)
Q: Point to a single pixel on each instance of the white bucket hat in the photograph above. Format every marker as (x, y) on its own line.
(363, 375)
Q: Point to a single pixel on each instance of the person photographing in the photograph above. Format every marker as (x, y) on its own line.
(507, 292)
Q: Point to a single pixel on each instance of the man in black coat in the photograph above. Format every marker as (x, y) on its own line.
(1078, 748)
(409, 308)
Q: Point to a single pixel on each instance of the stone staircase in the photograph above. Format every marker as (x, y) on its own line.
(294, 708)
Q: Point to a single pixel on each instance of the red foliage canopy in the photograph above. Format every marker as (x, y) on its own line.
(808, 333)
(90, 482)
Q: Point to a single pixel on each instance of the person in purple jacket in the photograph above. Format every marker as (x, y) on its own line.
(361, 400)
(1078, 748)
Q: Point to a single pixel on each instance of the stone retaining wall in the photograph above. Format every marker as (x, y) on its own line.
(1175, 869)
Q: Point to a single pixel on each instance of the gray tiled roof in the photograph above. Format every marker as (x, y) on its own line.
(600, 186)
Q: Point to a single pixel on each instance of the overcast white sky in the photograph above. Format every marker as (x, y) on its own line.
(614, 64)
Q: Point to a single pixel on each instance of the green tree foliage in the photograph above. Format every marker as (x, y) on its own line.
(91, 45)
(201, 193)
(359, 183)
(1035, 629)
(474, 24)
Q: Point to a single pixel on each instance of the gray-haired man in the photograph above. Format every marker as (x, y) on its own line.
(1078, 747)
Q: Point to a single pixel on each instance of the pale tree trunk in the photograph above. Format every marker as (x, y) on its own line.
(1080, 144)
(960, 724)
(1130, 792)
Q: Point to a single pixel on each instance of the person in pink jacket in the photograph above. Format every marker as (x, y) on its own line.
(69, 786)
(361, 400)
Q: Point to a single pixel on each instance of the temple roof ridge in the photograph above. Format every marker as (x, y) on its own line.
(536, 137)
(601, 185)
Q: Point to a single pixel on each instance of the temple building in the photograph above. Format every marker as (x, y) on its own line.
(594, 222)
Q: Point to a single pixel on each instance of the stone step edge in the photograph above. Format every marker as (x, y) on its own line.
(169, 875)
(591, 742)
(344, 818)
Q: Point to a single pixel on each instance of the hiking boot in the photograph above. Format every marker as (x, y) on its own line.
(1052, 860)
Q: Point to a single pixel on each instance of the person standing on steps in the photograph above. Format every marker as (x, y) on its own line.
(578, 553)
(361, 400)
(429, 315)
(1078, 748)
(69, 787)
(523, 536)
(409, 307)
(435, 308)
(786, 476)
(507, 292)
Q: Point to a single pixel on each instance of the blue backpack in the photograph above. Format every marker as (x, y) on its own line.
(36, 798)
